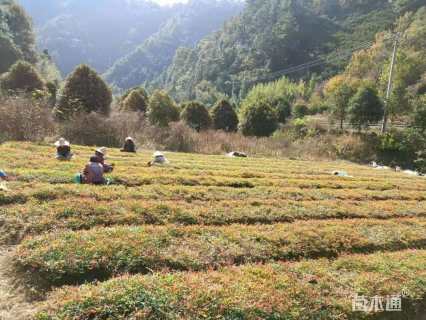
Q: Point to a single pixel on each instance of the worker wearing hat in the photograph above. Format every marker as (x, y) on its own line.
(100, 154)
(63, 149)
(129, 145)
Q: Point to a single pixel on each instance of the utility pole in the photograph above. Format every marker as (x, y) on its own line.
(390, 81)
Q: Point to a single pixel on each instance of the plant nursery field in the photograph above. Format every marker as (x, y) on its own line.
(212, 237)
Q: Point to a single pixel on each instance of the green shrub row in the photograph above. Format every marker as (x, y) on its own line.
(319, 289)
(34, 218)
(100, 253)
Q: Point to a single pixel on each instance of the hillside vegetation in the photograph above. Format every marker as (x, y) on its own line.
(184, 29)
(17, 41)
(270, 37)
(205, 221)
(115, 39)
(76, 32)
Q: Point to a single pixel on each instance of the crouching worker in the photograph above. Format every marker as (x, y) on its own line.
(159, 159)
(100, 154)
(129, 145)
(63, 149)
(93, 173)
(3, 178)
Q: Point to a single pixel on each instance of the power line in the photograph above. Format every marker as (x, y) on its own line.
(315, 63)
(338, 53)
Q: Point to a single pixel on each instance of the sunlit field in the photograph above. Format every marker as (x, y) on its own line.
(212, 237)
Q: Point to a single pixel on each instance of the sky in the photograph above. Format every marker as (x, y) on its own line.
(169, 2)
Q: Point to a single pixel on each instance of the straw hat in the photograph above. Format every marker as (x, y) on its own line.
(102, 150)
(61, 143)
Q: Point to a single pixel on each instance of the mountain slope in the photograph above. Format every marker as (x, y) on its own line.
(185, 28)
(17, 40)
(78, 31)
(273, 35)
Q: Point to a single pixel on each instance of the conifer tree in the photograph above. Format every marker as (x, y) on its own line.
(84, 91)
(224, 116)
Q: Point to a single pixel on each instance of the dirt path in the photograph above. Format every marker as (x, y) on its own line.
(13, 304)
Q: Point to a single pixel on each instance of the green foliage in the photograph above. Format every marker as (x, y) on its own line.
(280, 95)
(47, 68)
(373, 64)
(284, 110)
(419, 119)
(258, 118)
(135, 100)
(162, 109)
(420, 162)
(401, 147)
(274, 35)
(299, 127)
(52, 89)
(407, 72)
(300, 110)
(224, 116)
(339, 99)
(365, 107)
(9, 53)
(196, 116)
(185, 26)
(17, 40)
(207, 93)
(84, 91)
(22, 77)
(23, 36)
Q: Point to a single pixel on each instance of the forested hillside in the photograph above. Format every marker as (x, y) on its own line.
(371, 66)
(16, 36)
(270, 37)
(78, 31)
(17, 41)
(111, 36)
(187, 26)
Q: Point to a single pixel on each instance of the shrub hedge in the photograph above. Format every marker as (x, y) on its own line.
(320, 289)
(70, 257)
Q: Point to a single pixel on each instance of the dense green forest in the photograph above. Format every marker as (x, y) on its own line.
(189, 24)
(270, 37)
(16, 36)
(17, 41)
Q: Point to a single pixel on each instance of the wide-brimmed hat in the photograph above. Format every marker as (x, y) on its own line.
(62, 142)
(102, 150)
(129, 139)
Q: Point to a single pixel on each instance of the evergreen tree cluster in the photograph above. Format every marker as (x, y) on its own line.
(17, 39)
